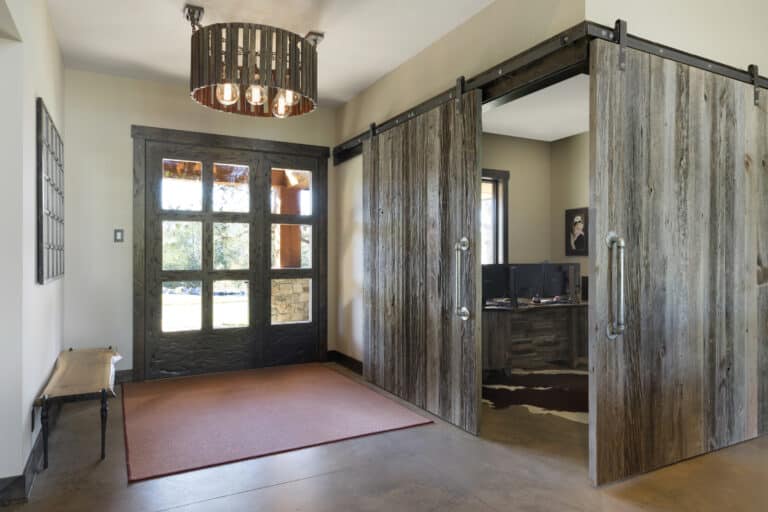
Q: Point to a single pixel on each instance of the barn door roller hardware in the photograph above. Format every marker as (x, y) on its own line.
(459, 93)
(372, 131)
(620, 37)
(555, 59)
(754, 72)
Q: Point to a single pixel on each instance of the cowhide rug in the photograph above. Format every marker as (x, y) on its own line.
(563, 393)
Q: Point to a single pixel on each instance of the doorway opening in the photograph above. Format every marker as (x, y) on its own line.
(535, 270)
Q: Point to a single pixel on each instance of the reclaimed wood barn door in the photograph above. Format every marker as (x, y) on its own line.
(421, 183)
(678, 173)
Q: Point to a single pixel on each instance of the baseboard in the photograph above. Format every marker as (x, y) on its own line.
(15, 489)
(122, 376)
(346, 361)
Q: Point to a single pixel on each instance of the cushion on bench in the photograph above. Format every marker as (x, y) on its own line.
(82, 372)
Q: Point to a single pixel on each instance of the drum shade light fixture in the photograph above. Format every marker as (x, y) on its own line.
(251, 69)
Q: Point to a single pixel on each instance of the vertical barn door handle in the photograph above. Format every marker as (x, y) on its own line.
(461, 247)
(616, 325)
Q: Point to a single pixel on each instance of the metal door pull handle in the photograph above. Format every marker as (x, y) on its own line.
(462, 246)
(617, 324)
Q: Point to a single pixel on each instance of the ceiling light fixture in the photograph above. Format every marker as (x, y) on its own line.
(250, 69)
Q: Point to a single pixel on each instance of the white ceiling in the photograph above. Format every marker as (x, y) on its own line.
(556, 112)
(364, 39)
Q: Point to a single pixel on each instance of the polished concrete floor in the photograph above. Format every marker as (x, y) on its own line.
(521, 462)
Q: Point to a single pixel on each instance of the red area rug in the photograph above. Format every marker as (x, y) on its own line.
(188, 423)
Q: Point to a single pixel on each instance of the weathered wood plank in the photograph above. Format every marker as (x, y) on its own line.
(370, 234)
(422, 182)
(437, 271)
(415, 260)
(757, 166)
(668, 173)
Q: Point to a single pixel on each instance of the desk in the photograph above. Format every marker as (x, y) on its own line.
(534, 336)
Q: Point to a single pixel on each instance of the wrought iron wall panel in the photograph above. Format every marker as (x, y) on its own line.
(50, 198)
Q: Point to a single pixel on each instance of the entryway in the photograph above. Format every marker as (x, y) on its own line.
(230, 253)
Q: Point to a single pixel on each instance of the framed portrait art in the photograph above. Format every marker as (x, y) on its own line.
(576, 232)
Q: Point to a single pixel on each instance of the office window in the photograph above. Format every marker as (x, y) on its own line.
(493, 216)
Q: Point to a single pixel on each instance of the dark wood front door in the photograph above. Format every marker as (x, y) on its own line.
(230, 263)
(421, 186)
(677, 155)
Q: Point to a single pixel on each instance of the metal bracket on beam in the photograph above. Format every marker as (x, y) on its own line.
(754, 72)
(620, 37)
(194, 14)
(314, 37)
(372, 131)
(459, 93)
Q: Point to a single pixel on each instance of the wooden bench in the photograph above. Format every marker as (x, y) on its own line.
(86, 374)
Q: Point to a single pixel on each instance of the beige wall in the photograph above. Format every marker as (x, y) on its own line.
(99, 180)
(345, 253)
(730, 32)
(569, 189)
(528, 163)
(11, 60)
(545, 180)
(31, 313)
(498, 32)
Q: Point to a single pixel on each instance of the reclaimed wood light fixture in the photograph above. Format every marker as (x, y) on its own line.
(250, 69)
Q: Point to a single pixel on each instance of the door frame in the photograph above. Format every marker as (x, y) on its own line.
(271, 150)
(554, 60)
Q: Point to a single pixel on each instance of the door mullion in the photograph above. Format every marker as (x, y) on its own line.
(207, 291)
(260, 194)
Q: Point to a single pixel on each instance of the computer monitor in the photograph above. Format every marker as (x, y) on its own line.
(498, 282)
(546, 279)
(529, 278)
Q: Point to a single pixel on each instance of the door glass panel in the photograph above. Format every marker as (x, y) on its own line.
(291, 301)
(487, 222)
(182, 185)
(230, 304)
(230, 245)
(181, 306)
(291, 192)
(291, 246)
(182, 245)
(230, 188)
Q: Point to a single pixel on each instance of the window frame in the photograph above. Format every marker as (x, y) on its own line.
(500, 179)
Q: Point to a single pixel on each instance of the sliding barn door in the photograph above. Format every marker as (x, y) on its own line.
(421, 186)
(678, 361)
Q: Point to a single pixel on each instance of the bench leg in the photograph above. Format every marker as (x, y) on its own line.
(104, 409)
(44, 422)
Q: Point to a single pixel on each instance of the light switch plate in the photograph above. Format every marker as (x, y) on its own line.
(119, 236)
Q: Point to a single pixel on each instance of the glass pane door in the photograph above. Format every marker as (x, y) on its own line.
(296, 213)
(204, 268)
(235, 257)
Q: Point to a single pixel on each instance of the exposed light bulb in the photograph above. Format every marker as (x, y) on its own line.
(280, 107)
(292, 98)
(227, 94)
(256, 95)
